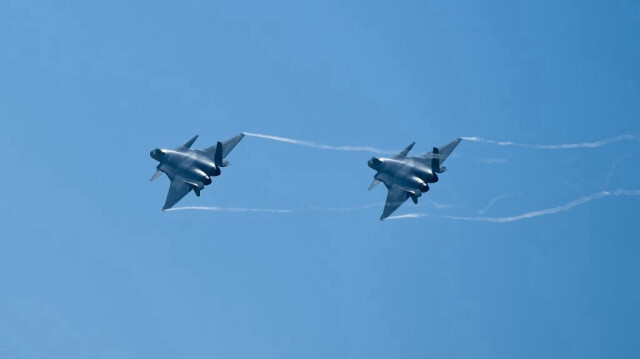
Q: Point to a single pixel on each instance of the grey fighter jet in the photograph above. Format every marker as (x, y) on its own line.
(408, 177)
(191, 169)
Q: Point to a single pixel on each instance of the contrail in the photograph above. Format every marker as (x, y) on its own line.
(437, 204)
(344, 209)
(287, 211)
(370, 205)
(272, 210)
(496, 199)
(410, 215)
(563, 208)
(563, 146)
(614, 165)
(557, 147)
(543, 212)
(318, 145)
(230, 209)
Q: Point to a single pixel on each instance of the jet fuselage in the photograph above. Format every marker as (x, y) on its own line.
(406, 173)
(189, 169)
(408, 176)
(190, 166)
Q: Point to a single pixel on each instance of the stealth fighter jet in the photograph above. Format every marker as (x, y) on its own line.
(191, 169)
(409, 177)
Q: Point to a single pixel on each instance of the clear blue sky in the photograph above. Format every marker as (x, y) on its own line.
(90, 267)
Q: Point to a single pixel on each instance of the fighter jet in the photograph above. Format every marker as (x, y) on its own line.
(191, 169)
(408, 177)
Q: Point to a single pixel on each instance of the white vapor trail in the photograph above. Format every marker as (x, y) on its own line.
(345, 209)
(272, 210)
(230, 209)
(563, 208)
(288, 211)
(318, 145)
(614, 165)
(496, 199)
(543, 212)
(370, 205)
(563, 146)
(438, 205)
(410, 215)
(560, 146)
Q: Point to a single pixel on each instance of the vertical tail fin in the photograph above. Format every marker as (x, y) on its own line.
(435, 161)
(217, 158)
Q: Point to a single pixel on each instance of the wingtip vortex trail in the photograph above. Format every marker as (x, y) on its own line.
(318, 145)
(537, 213)
(594, 144)
(564, 146)
(229, 209)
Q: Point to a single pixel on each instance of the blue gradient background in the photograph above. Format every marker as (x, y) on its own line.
(91, 267)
